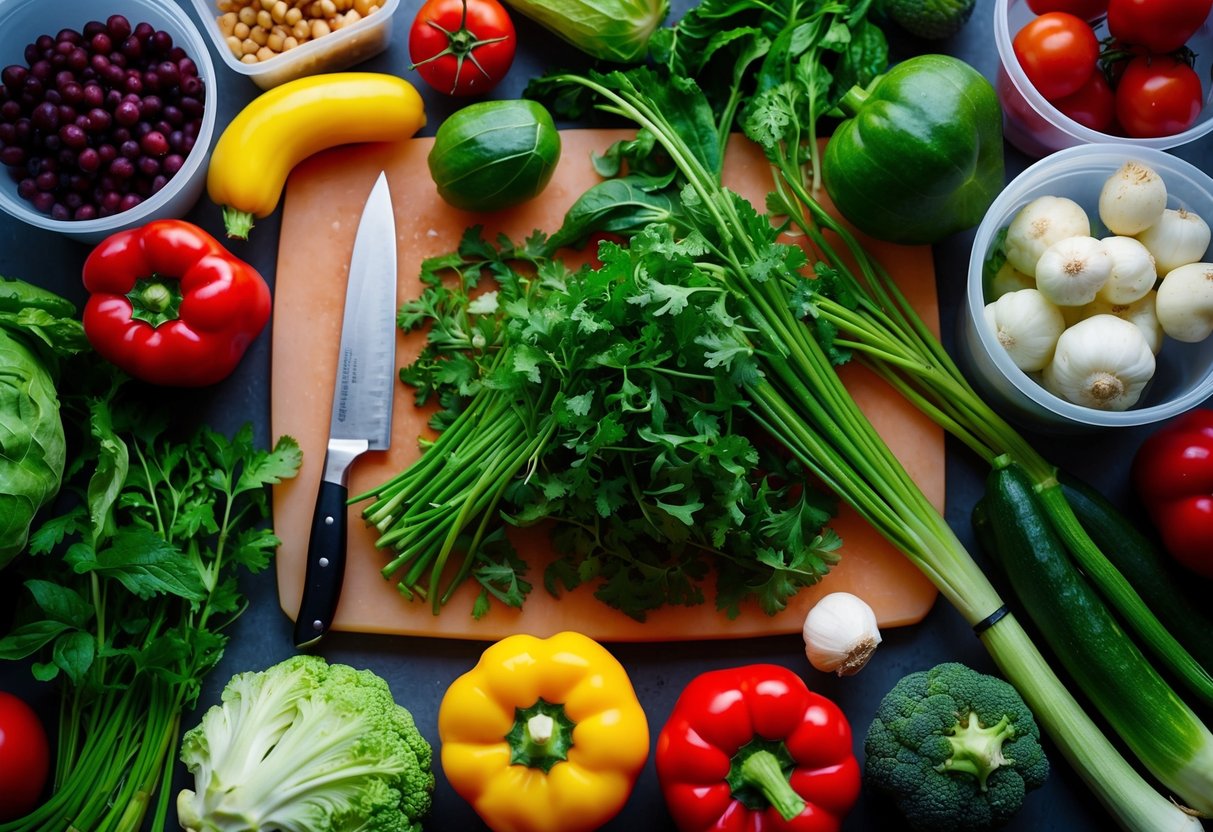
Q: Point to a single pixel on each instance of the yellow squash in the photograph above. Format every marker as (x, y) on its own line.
(543, 735)
(285, 125)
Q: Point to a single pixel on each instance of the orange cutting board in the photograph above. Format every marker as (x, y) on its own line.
(323, 201)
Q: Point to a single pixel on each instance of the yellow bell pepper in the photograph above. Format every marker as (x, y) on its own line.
(543, 735)
(281, 127)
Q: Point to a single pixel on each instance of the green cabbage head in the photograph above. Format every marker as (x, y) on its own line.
(613, 30)
(37, 327)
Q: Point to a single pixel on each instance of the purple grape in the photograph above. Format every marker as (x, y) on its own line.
(118, 26)
(89, 160)
(126, 113)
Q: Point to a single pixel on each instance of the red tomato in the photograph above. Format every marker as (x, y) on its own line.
(1158, 25)
(1157, 95)
(24, 758)
(1093, 106)
(1086, 9)
(1058, 53)
(462, 47)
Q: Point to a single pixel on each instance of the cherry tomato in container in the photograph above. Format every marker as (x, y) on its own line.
(1058, 52)
(1158, 25)
(1157, 95)
(24, 758)
(1086, 9)
(1093, 105)
(462, 47)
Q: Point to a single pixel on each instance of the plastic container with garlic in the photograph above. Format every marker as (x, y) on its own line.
(275, 41)
(1082, 301)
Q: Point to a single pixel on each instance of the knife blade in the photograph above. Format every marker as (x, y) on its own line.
(361, 418)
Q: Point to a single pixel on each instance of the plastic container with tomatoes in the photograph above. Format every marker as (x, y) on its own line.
(1164, 104)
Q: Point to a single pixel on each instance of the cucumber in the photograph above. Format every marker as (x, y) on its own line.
(494, 154)
(1144, 566)
(1161, 730)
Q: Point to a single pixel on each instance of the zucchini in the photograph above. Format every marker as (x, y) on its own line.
(1144, 566)
(1161, 730)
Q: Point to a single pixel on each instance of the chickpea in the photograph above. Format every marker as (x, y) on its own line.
(265, 53)
(250, 47)
(301, 30)
(288, 43)
(259, 36)
(241, 31)
(363, 7)
(275, 41)
(227, 22)
(233, 43)
(247, 16)
(319, 29)
(292, 17)
(278, 12)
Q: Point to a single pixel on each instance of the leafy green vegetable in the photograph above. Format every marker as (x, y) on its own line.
(308, 745)
(130, 589)
(613, 30)
(567, 397)
(799, 398)
(37, 328)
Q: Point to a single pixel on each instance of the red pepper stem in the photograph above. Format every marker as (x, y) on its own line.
(762, 771)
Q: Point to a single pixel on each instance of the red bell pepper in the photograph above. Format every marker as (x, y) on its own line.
(751, 749)
(170, 305)
(1173, 476)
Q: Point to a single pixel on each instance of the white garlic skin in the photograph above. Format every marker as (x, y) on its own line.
(1038, 225)
(1102, 362)
(1132, 199)
(1027, 325)
(840, 634)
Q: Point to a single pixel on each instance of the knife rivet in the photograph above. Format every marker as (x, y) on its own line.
(323, 561)
(317, 625)
(328, 520)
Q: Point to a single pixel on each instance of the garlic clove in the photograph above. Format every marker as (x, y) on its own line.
(1133, 271)
(1178, 238)
(1038, 225)
(1027, 326)
(840, 634)
(1072, 271)
(1102, 362)
(1132, 199)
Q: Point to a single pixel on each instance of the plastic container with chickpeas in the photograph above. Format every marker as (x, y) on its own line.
(275, 41)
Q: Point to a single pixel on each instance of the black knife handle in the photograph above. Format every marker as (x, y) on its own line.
(325, 565)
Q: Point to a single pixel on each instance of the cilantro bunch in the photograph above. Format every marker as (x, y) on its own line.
(608, 401)
(129, 591)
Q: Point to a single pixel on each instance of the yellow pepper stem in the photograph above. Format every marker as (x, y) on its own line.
(541, 736)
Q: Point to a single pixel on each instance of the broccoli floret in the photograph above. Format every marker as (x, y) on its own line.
(955, 749)
(306, 746)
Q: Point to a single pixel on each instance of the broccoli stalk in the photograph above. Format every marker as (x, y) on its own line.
(306, 747)
(977, 750)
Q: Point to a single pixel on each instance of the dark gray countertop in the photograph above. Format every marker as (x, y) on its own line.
(420, 669)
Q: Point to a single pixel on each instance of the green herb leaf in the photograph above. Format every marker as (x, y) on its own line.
(147, 565)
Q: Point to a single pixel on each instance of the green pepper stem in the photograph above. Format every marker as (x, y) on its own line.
(854, 98)
(762, 771)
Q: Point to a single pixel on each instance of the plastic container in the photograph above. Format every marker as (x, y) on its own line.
(1184, 374)
(337, 50)
(23, 21)
(1038, 128)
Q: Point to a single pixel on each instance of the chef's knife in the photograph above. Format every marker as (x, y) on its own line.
(362, 405)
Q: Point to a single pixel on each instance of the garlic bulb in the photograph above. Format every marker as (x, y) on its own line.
(1185, 302)
(1072, 271)
(1038, 225)
(1102, 362)
(1133, 272)
(1009, 279)
(1132, 199)
(1178, 238)
(1027, 325)
(1140, 312)
(840, 634)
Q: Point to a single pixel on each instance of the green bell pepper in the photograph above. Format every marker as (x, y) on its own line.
(921, 155)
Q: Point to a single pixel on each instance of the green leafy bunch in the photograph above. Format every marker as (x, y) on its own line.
(632, 372)
(129, 590)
